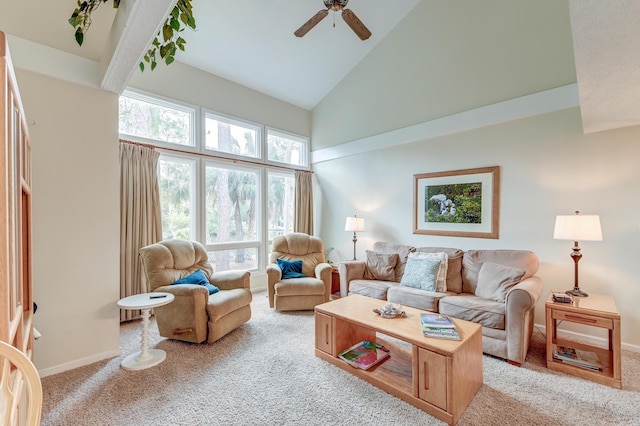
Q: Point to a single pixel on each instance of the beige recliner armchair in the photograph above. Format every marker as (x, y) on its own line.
(195, 315)
(302, 292)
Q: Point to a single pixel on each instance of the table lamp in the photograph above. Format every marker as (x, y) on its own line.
(577, 228)
(354, 224)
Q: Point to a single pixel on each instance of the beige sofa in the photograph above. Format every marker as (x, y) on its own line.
(507, 284)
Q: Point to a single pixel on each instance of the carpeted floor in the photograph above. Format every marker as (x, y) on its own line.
(265, 373)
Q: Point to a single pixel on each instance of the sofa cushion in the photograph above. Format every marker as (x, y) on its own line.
(421, 273)
(454, 266)
(372, 288)
(494, 280)
(381, 266)
(302, 286)
(416, 298)
(487, 313)
(401, 250)
(473, 259)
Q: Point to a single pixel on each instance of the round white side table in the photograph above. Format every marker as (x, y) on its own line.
(146, 357)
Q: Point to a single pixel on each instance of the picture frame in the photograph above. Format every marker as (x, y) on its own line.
(457, 203)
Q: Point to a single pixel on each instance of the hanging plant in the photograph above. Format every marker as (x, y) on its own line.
(180, 18)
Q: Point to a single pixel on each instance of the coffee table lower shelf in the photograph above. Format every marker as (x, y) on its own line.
(394, 376)
(438, 376)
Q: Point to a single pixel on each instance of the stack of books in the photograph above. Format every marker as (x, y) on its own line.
(438, 325)
(364, 355)
(577, 357)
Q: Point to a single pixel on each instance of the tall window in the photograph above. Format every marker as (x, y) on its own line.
(232, 189)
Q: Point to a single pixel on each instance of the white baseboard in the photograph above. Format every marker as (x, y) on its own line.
(585, 338)
(79, 363)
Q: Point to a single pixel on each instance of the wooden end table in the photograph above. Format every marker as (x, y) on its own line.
(595, 311)
(146, 357)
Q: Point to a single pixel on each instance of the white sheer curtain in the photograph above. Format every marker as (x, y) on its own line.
(303, 220)
(140, 220)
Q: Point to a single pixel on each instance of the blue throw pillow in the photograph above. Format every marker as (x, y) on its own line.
(290, 269)
(198, 277)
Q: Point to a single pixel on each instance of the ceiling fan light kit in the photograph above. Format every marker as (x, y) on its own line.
(347, 14)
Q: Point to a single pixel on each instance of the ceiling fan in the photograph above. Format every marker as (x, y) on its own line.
(349, 17)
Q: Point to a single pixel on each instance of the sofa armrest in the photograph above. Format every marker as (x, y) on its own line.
(323, 272)
(186, 317)
(519, 319)
(274, 274)
(351, 270)
(228, 280)
(524, 295)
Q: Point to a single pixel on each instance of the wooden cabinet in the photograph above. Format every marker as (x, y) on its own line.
(16, 300)
(432, 378)
(324, 333)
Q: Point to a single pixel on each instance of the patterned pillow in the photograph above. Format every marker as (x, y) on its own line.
(421, 273)
(380, 266)
(443, 258)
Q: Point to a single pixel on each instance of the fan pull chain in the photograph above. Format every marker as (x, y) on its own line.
(334, 19)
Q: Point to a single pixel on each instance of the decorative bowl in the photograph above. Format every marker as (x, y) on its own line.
(390, 311)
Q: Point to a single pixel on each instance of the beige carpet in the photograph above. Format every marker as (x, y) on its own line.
(265, 373)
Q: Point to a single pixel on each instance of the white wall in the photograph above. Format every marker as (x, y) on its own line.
(548, 167)
(75, 220)
(76, 190)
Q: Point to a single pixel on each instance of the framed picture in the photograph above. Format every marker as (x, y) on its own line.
(458, 203)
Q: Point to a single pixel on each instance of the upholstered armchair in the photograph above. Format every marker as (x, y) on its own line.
(195, 315)
(310, 286)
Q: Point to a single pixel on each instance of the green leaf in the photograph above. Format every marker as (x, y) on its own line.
(175, 24)
(169, 60)
(153, 65)
(184, 18)
(175, 12)
(192, 22)
(141, 65)
(79, 36)
(167, 32)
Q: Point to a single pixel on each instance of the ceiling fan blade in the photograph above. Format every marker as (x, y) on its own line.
(356, 24)
(312, 22)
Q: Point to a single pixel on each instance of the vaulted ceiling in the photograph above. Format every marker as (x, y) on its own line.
(251, 42)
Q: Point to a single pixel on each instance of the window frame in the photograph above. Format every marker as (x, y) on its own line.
(306, 151)
(200, 155)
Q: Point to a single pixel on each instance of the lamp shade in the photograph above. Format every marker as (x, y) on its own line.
(578, 228)
(354, 224)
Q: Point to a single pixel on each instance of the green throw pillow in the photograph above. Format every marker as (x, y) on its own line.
(421, 273)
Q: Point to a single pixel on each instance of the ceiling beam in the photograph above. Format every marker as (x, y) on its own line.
(134, 27)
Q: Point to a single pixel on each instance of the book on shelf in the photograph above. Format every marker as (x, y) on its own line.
(364, 354)
(438, 325)
(577, 357)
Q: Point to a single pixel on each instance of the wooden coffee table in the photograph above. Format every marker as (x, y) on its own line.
(438, 376)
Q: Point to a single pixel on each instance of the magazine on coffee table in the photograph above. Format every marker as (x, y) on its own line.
(438, 325)
(364, 354)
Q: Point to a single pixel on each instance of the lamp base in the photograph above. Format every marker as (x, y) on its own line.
(577, 292)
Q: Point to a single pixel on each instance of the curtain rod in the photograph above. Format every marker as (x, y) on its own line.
(146, 145)
(220, 157)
